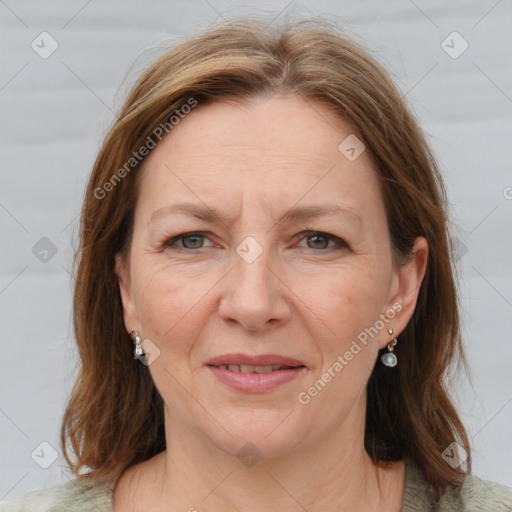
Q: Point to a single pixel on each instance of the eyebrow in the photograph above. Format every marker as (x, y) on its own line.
(291, 215)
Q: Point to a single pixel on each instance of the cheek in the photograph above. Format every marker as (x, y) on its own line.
(352, 299)
(350, 304)
(168, 304)
(350, 309)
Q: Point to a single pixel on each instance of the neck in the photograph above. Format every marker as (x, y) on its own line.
(336, 474)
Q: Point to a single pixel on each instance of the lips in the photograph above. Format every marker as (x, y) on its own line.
(255, 374)
(259, 360)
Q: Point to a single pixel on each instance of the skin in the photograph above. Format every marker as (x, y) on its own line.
(303, 297)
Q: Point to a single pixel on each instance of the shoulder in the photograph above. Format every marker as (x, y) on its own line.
(476, 495)
(74, 496)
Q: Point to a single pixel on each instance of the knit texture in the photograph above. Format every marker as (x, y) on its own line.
(475, 495)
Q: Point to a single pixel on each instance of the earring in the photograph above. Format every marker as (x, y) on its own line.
(389, 359)
(138, 351)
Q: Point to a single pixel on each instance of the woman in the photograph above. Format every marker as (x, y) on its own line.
(265, 304)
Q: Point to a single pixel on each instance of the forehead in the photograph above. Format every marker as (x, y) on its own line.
(266, 151)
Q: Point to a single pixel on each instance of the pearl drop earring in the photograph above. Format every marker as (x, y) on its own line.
(389, 359)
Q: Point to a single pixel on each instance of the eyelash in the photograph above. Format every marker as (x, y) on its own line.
(171, 242)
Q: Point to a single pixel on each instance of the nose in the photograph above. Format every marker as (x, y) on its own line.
(254, 296)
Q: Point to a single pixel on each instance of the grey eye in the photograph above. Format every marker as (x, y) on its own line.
(195, 241)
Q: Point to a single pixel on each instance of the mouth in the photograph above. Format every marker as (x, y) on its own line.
(255, 374)
(247, 368)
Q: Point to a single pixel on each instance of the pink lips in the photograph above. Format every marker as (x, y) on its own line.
(262, 360)
(255, 382)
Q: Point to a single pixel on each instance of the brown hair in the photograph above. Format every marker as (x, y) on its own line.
(114, 418)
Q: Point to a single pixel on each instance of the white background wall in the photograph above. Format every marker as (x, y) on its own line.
(54, 112)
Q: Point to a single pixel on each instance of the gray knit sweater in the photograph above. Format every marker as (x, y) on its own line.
(474, 495)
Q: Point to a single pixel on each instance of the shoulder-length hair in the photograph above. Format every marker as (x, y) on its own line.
(114, 418)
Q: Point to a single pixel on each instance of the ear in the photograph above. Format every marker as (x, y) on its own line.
(131, 318)
(406, 286)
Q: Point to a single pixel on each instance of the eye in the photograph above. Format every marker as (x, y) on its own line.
(189, 241)
(316, 240)
(320, 240)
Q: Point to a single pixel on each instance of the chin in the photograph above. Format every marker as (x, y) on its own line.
(259, 432)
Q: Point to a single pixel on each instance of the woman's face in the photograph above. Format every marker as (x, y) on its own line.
(285, 273)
